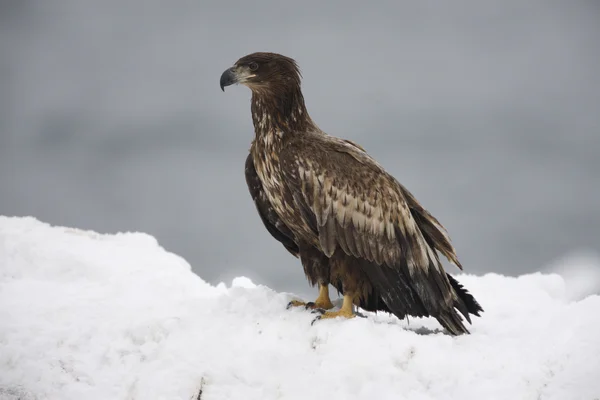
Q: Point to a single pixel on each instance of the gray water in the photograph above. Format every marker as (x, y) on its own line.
(111, 119)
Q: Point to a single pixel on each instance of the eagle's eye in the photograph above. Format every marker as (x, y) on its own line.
(253, 66)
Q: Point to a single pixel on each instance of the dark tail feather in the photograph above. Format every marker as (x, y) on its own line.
(466, 302)
(401, 299)
(393, 292)
(450, 320)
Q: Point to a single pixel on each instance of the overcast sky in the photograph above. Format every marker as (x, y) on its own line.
(111, 119)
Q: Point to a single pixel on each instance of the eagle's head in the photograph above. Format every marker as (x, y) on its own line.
(263, 72)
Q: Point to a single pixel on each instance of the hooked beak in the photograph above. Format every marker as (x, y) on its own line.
(229, 77)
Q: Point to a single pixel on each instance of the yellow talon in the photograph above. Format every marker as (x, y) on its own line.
(335, 314)
(323, 301)
(347, 310)
(296, 303)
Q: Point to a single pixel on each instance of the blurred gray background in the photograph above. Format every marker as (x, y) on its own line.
(111, 119)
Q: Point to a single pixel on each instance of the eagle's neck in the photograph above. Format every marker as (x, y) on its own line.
(275, 115)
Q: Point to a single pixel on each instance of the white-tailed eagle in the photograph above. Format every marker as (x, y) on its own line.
(351, 223)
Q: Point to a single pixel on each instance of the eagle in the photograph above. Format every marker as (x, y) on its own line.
(330, 204)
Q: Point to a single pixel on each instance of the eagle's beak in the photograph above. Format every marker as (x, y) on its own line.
(229, 77)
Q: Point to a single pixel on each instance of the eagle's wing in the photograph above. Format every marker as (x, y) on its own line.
(267, 214)
(361, 209)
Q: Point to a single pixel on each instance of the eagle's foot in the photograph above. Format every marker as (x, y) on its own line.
(347, 311)
(323, 304)
(333, 314)
(323, 301)
(311, 305)
(295, 303)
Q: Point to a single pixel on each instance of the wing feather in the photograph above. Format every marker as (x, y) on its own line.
(364, 211)
(267, 214)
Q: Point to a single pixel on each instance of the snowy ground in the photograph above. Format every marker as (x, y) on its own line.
(89, 316)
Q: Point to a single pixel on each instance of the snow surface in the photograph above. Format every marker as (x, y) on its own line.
(90, 316)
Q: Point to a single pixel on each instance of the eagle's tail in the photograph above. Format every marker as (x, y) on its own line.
(396, 294)
(466, 303)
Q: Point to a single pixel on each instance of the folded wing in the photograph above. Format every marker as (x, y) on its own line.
(362, 210)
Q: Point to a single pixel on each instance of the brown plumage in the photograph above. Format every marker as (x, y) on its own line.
(351, 223)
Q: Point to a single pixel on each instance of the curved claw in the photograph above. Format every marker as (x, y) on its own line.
(318, 317)
(294, 303)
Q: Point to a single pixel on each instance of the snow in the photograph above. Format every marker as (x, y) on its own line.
(91, 316)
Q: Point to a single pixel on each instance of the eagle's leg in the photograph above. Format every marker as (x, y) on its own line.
(347, 310)
(316, 268)
(323, 301)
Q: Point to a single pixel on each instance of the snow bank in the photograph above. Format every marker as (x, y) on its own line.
(89, 316)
